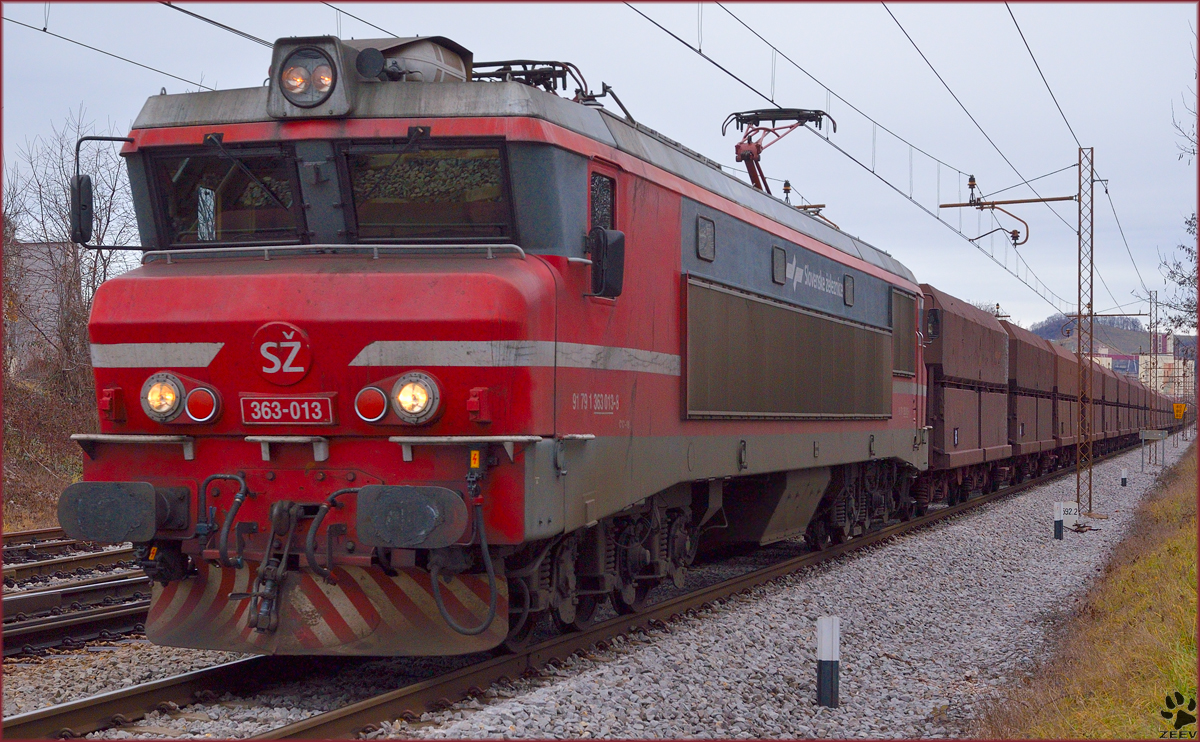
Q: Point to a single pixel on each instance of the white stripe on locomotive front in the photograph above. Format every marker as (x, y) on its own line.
(154, 355)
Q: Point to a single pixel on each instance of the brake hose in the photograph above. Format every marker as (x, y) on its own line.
(492, 591)
(310, 543)
(223, 539)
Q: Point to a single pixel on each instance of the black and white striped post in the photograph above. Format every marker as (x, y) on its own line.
(1058, 521)
(828, 660)
(1124, 477)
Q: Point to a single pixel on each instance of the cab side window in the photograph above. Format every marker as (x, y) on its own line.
(603, 198)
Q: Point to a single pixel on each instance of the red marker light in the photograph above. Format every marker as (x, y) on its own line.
(371, 404)
(201, 404)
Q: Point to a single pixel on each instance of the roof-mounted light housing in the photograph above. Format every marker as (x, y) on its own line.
(321, 76)
(312, 77)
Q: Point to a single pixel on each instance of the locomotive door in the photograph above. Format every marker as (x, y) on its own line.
(608, 364)
(592, 328)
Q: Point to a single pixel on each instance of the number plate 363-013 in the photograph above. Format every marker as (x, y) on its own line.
(287, 411)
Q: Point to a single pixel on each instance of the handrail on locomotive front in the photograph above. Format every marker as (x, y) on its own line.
(266, 251)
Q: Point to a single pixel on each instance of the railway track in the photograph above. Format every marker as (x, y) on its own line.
(99, 608)
(127, 705)
(48, 551)
(22, 546)
(38, 534)
(62, 566)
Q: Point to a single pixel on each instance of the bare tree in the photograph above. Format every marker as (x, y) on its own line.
(1186, 129)
(991, 307)
(1180, 268)
(50, 281)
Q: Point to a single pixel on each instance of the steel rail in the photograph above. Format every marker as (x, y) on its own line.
(120, 707)
(124, 706)
(39, 549)
(83, 582)
(37, 534)
(77, 627)
(91, 560)
(85, 593)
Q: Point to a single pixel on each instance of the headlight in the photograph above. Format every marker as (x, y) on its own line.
(161, 395)
(295, 80)
(307, 77)
(322, 78)
(415, 398)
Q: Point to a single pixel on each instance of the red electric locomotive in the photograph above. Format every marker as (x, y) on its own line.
(419, 354)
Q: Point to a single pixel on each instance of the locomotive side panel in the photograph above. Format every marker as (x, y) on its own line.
(737, 341)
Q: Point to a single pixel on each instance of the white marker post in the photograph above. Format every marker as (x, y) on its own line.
(1066, 516)
(1124, 477)
(828, 660)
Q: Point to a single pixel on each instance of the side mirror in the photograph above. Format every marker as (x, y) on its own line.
(933, 323)
(607, 250)
(81, 209)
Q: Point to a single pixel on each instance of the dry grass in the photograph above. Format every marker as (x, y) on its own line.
(1132, 642)
(39, 458)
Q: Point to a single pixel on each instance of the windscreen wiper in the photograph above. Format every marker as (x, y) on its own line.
(415, 134)
(214, 139)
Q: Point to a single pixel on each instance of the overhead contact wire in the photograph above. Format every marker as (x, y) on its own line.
(360, 20)
(922, 207)
(712, 61)
(973, 121)
(109, 54)
(1035, 289)
(1025, 181)
(230, 29)
(1071, 129)
(1043, 75)
(835, 95)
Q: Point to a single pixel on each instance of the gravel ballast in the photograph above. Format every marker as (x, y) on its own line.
(932, 624)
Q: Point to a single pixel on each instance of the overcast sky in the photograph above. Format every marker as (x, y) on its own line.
(1118, 71)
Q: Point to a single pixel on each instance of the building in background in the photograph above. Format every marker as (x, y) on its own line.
(1174, 366)
(1118, 362)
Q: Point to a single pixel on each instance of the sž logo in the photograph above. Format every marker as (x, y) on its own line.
(282, 353)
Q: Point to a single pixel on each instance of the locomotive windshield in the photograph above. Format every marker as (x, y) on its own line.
(213, 199)
(429, 194)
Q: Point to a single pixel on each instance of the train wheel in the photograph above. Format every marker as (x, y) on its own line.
(631, 598)
(583, 613)
(570, 610)
(632, 559)
(522, 623)
(520, 634)
(817, 535)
